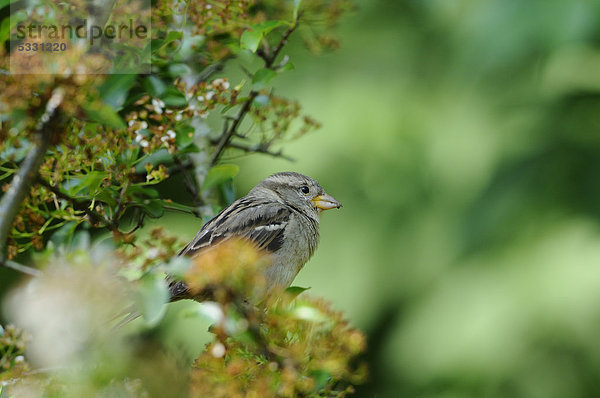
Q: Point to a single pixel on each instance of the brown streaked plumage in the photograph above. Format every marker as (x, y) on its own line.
(279, 215)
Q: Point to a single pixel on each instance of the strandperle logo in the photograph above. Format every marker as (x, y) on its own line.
(82, 31)
(80, 37)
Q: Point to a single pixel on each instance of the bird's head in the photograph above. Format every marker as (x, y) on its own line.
(299, 191)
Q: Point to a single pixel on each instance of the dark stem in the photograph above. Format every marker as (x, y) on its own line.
(190, 186)
(271, 59)
(81, 205)
(254, 330)
(119, 208)
(19, 186)
(21, 182)
(224, 140)
(264, 149)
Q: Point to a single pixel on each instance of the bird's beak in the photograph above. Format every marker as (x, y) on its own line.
(325, 202)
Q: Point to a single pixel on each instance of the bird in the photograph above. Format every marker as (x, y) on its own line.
(280, 215)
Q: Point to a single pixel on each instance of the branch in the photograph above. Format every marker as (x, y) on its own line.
(21, 268)
(224, 140)
(119, 209)
(264, 149)
(270, 59)
(84, 206)
(188, 182)
(21, 182)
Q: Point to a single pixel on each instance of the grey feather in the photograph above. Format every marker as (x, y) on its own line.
(277, 216)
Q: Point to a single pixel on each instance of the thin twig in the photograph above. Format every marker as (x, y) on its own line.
(254, 330)
(225, 139)
(81, 205)
(119, 208)
(190, 186)
(269, 61)
(264, 149)
(22, 268)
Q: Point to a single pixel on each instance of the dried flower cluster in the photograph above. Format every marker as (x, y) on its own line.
(296, 347)
(230, 269)
(12, 350)
(286, 346)
(158, 249)
(276, 119)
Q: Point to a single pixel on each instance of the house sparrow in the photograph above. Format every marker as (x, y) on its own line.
(279, 215)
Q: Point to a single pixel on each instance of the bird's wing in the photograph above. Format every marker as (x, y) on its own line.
(263, 223)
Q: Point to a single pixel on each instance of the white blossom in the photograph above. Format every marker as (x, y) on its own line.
(158, 107)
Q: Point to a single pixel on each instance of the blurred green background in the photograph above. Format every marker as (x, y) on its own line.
(463, 138)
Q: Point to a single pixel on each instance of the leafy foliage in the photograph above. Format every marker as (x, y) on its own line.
(115, 141)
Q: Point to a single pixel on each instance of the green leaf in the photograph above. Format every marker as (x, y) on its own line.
(107, 196)
(161, 156)
(154, 86)
(81, 241)
(64, 234)
(250, 40)
(184, 135)
(192, 148)
(321, 377)
(173, 97)
(286, 67)
(178, 206)
(262, 77)
(176, 70)
(295, 291)
(153, 207)
(268, 26)
(152, 296)
(91, 181)
(138, 192)
(295, 12)
(10, 22)
(171, 37)
(4, 29)
(115, 88)
(228, 191)
(219, 174)
(105, 114)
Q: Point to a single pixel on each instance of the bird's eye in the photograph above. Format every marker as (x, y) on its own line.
(304, 189)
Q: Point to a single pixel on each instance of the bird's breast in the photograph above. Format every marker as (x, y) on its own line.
(300, 242)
